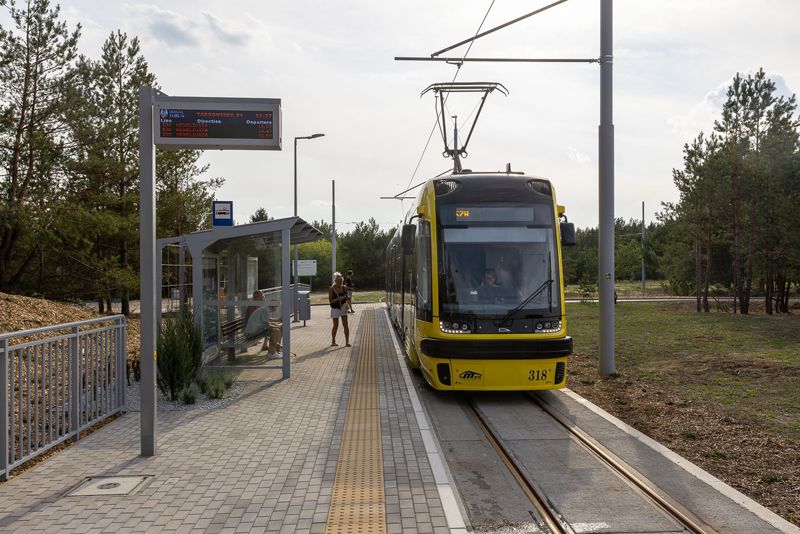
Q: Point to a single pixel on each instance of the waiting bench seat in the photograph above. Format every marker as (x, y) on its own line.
(234, 337)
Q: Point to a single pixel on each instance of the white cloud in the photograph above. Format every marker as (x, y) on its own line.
(702, 115)
(577, 156)
(178, 30)
(225, 32)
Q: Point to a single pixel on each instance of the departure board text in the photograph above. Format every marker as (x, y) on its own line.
(215, 124)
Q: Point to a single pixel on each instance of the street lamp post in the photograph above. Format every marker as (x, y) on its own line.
(296, 277)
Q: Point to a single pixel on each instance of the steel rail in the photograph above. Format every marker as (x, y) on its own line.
(548, 515)
(686, 518)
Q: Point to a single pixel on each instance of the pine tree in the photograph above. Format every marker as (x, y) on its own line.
(36, 66)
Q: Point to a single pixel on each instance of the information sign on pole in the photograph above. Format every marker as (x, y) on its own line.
(306, 268)
(222, 213)
(221, 123)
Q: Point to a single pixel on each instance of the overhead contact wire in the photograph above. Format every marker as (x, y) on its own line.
(458, 69)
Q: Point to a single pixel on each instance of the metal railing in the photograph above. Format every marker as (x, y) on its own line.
(57, 381)
(275, 293)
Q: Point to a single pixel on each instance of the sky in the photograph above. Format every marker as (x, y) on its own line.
(332, 66)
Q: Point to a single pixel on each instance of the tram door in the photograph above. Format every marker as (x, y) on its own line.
(409, 315)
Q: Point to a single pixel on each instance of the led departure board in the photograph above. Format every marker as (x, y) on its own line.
(222, 123)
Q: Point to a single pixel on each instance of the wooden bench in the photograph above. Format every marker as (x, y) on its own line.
(234, 337)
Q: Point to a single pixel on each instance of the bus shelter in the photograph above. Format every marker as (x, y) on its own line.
(226, 265)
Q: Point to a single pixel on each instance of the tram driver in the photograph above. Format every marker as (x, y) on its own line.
(490, 278)
(490, 291)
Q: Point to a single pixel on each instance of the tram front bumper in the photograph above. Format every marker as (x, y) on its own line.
(495, 365)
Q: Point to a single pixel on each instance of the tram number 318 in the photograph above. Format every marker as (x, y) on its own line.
(537, 375)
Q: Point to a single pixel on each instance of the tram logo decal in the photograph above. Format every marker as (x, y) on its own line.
(470, 375)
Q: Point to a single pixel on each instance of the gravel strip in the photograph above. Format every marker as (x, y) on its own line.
(133, 399)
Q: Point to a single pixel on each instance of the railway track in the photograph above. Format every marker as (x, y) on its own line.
(549, 516)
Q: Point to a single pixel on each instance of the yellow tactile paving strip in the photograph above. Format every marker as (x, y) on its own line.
(358, 501)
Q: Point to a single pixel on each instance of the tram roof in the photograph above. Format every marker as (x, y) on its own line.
(490, 174)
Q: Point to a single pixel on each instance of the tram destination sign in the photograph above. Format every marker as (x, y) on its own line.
(217, 123)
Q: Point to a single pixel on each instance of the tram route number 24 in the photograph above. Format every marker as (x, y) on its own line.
(537, 375)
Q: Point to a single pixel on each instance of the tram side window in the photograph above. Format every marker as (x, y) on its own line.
(424, 300)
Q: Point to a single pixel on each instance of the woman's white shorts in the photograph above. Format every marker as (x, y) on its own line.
(336, 313)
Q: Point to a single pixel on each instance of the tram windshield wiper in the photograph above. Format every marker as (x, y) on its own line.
(545, 285)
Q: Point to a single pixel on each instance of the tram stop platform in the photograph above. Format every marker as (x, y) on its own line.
(343, 446)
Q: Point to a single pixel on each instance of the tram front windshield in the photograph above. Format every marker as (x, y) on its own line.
(490, 267)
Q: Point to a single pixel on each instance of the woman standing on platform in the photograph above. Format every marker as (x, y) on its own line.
(337, 297)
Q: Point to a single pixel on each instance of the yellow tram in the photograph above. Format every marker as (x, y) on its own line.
(474, 282)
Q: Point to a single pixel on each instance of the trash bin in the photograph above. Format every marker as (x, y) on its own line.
(304, 305)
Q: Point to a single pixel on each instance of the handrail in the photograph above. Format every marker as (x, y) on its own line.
(45, 329)
(54, 386)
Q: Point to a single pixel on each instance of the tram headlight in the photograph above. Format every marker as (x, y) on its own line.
(548, 326)
(455, 327)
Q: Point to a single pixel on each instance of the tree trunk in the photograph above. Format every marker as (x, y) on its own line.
(737, 263)
(40, 281)
(100, 305)
(748, 277)
(123, 261)
(768, 289)
(708, 275)
(785, 303)
(735, 288)
(697, 273)
(779, 278)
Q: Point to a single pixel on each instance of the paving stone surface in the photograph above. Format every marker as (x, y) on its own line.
(265, 463)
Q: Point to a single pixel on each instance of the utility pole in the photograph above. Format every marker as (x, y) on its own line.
(333, 227)
(643, 273)
(606, 164)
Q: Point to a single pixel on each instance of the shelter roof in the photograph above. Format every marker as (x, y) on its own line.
(266, 232)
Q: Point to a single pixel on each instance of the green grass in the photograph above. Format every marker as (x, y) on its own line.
(625, 288)
(748, 364)
(771, 478)
(364, 297)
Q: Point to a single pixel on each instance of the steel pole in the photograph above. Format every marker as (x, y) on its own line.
(606, 192)
(147, 269)
(286, 349)
(4, 441)
(333, 228)
(644, 276)
(295, 305)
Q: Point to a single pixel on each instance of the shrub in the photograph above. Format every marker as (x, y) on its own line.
(189, 394)
(214, 385)
(229, 381)
(180, 352)
(586, 289)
